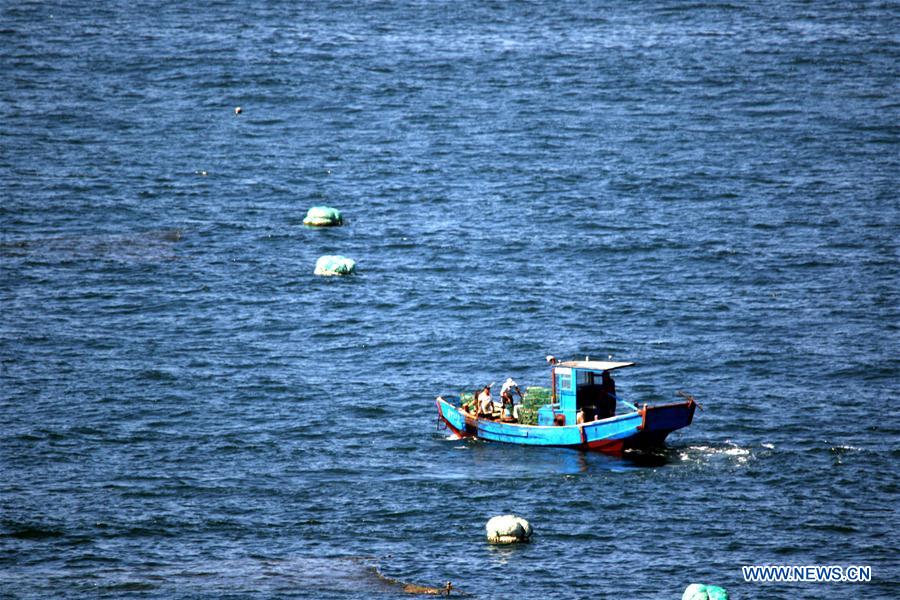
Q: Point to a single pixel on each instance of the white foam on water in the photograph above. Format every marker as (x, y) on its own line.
(699, 453)
(846, 448)
(736, 452)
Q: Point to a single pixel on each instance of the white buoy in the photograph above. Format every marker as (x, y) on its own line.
(508, 529)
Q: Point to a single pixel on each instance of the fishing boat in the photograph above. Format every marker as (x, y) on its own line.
(583, 412)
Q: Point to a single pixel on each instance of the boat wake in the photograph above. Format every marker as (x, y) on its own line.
(727, 453)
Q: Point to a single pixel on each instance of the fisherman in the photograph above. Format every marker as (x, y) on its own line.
(506, 397)
(485, 402)
(608, 385)
(608, 398)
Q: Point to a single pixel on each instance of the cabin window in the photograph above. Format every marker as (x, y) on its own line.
(585, 377)
(565, 381)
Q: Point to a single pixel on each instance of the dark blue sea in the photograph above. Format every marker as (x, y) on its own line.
(709, 189)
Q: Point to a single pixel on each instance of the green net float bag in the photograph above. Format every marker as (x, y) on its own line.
(334, 265)
(699, 591)
(716, 593)
(323, 216)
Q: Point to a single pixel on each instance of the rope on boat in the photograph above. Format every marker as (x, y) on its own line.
(689, 398)
(625, 402)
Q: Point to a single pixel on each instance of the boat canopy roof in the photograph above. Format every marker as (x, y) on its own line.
(594, 365)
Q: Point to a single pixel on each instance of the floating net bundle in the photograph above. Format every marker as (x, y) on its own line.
(323, 216)
(334, 265)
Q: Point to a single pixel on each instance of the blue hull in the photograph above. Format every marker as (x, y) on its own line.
(646, 427)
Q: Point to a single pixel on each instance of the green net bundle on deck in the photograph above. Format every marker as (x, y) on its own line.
(534, 399)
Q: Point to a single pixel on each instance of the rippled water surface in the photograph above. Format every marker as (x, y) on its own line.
(709, 189)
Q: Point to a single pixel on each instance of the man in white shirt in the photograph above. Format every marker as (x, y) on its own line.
(485, 401)
(506, 396)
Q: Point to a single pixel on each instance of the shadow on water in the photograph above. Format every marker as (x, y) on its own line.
(574, 462)
(649, 458)
(492, 460)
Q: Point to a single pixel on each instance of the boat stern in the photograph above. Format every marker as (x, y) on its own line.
(657, 422)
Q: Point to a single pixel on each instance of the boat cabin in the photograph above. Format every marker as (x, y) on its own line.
(580, 393)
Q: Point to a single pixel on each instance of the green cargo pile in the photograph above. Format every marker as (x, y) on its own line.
(535, 398)
(467, 400)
